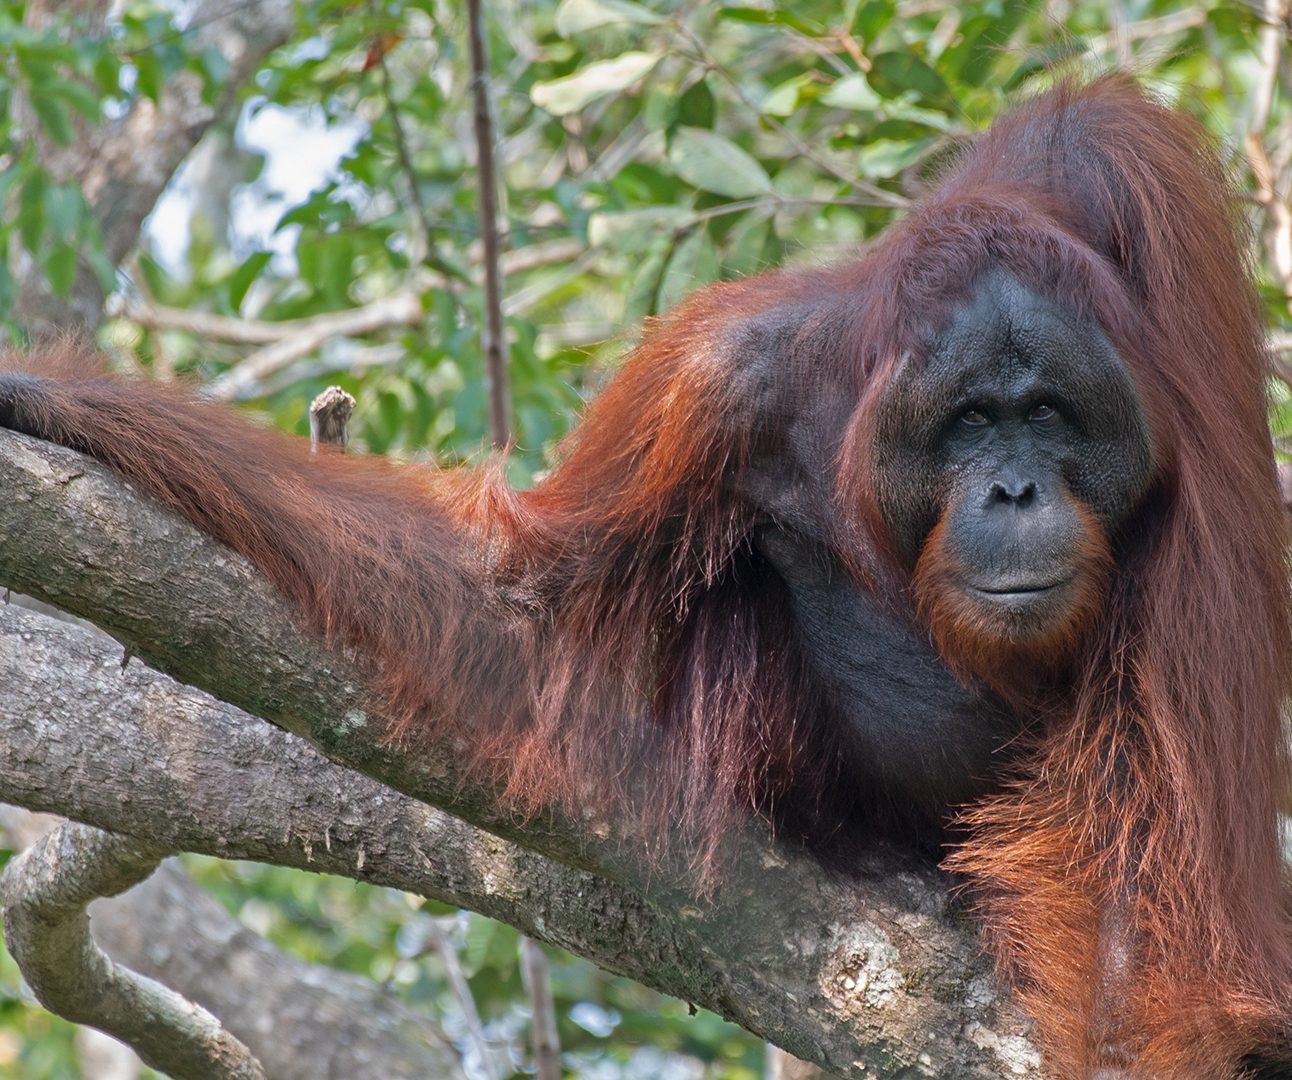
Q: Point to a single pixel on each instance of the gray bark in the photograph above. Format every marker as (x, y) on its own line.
(302, 1021)
(875, 977)
(46, 891)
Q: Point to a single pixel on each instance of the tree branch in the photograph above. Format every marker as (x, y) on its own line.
(325, 1022)
(300, 337)
(867, 978)
(466, 1002)
(46, 890)
(1154, 30)
(300, 1020)
(542, 1011)
(495, 341)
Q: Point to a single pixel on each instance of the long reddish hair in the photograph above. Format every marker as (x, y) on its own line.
(1129, 878)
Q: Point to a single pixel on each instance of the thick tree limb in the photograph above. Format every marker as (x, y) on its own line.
(300, 1020)
(46, 891)
(869, 978)
(132, 751)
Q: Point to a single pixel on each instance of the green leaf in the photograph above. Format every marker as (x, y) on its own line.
(711, 162)
(778, 16)
(60, 269)
(783, 99)
(696, 107)
(640, 184)
(1235, 18)
(102, 267)
(852, 92)
(576, 16)
(914, 114)
(242, 278)
(63, 210)
(31, 211)
(78, 96)
(149, 76)
(336, 269)
(749, 242)
(659, 108)
(442, 312)
(983, 40)
(107, 73)
(644, 283)
(307, 255)
(884, 158)
(572, 92)
(154, 276)
(871, 18)
(53, 117)
(895, 73)
(215, 66)
(693, 263)
(391, 409)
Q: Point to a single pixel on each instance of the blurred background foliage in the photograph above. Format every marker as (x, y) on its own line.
(646, 147)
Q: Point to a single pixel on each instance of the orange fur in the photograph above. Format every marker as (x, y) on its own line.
(977, 645)
(1129, 878)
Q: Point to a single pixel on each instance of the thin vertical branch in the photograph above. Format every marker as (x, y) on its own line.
(421, 218)
(421, 229)
(495, 344)
(467, 1003)
(538, 983)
